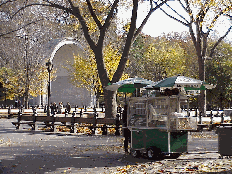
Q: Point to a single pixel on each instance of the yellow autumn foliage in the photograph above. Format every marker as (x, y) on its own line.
(16, 81)
(100, 9)
(164, 57)
(84, 70)
(209, 11)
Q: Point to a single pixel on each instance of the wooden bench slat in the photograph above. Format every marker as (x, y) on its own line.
(14, 123)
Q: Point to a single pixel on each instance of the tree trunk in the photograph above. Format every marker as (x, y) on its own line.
(26, 102)
(110, 103)
(202, 97)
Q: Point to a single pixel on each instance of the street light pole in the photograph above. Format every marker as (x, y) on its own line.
(49, 68)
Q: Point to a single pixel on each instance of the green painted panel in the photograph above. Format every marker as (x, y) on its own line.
(145, 138)
(157, 138)
(179, 141)
(138, 139)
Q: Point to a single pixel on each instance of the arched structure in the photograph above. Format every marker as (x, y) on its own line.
(59, 51)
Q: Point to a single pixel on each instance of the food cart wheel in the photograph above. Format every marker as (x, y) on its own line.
(154, 153)
(135, 153)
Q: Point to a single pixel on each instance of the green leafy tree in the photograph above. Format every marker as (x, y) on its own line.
(164, 58)
(15, 84)
(156, 58)
(190, 58)
(219, 72)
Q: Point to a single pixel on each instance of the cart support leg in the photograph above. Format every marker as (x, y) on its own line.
(126, 135)
(169, 139)
(126, 145)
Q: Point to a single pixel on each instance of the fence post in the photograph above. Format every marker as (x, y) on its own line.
(222, 117)
(104, 129)
(81, 112)
(76, 108)
(9, 112)
(94, 121)
(53, 122)
(65, 113)
(126, 131)
(72, 122)
(19, 119)
(196, 112)
(200, 117)
(211, 120)
(34, 118)
(119, 110)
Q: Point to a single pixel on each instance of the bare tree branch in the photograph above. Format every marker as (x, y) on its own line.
(12, 31)
(46, 5)
(94, 15)
(76, 12)
(218, 42)
(217, 16)
(107, 23)
(3, 3)
(130, 35)
(185, 8)
(110, 15)
(177, 12)
(71, 4)
(189, 11)
(147, 17)
(172, 17)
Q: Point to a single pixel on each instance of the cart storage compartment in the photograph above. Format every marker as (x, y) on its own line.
(145, 138)
(179, 122)
(158, 112)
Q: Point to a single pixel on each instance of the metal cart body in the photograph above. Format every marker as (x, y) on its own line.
(157, 127)
(146, 138)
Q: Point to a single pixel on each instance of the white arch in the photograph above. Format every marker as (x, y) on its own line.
(59, 51)
(66, 41)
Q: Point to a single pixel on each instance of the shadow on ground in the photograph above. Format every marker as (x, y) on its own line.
(39, 162)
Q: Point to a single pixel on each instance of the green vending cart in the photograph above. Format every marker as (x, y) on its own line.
(158, 127)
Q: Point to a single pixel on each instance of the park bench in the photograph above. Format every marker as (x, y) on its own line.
(50, 122)
(30, 123)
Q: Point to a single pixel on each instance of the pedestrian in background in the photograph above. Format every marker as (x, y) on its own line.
(60, 107)
(68, 107)
(54, 108)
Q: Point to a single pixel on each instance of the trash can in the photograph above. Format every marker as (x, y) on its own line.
(224, 140)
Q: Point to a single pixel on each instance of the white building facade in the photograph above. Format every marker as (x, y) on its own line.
(60, 52)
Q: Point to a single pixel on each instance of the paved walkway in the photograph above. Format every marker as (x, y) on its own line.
(25, 151)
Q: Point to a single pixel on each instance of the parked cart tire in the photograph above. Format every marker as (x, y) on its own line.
(154, 153)
(135, 153)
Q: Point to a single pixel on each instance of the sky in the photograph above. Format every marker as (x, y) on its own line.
(160, 23)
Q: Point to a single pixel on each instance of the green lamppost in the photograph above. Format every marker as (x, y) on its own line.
(49, 68)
